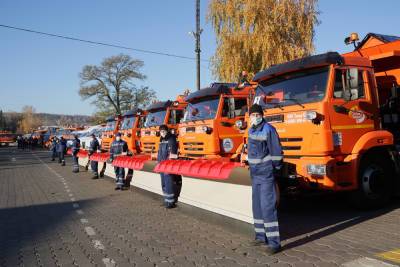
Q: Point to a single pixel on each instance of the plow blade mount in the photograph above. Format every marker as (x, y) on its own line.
(199, 168)
(135, 162)
(100, 157)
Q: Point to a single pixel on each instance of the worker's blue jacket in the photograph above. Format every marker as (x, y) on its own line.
(61, 145)
(264, 150)
(76, 145)
(94, 146)
(117, 148)
(167, 146)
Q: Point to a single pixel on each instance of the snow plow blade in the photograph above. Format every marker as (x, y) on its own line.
(82, 154)
(100, 157)
(205, 169)
(131, 162)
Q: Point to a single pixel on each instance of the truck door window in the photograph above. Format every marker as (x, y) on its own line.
(341, 85)
(225, 109)
(175, 116)
(240, 106)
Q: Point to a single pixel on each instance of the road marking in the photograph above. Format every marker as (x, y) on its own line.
(367, 262)
(71, 195)
(68, 190)
(393, 255)
(89, 231)
(79, 212)
(109, 262)
(98, 245)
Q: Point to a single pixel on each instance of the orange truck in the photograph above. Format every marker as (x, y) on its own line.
(167, 112)
(337, 117)
(157, 114)
(6, 138)
(211, 132)
(130, 125)
(108, 136)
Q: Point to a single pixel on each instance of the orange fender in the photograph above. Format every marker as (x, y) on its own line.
(372, 139)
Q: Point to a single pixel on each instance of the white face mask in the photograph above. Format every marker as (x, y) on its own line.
(255, 120)
(118, 138)
(163, 134)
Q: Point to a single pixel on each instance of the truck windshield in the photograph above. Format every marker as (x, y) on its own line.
(293, 88)
(127, 123)
(155, 118)
(110, 126)
(201, 110)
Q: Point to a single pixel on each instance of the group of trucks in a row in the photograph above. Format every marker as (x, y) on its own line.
(337, 116)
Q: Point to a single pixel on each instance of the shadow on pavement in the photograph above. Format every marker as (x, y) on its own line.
(24, 229)
(320, 216)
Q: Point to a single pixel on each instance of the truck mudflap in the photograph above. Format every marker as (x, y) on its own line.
(199, 168)
(100, 157)
(136, 162)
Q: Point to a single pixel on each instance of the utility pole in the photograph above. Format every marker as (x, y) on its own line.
(197, 37)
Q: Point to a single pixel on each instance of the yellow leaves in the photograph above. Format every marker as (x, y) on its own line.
(254, 34)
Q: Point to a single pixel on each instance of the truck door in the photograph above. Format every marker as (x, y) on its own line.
(230, 136)
(351, 108)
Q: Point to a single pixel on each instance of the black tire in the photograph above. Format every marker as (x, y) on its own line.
(375, 182)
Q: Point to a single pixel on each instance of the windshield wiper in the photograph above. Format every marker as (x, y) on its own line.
(276, 105)
(295, 101)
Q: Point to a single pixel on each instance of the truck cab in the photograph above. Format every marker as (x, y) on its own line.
(167, 112)
(130, 125)
(213, 124)
(108, 135)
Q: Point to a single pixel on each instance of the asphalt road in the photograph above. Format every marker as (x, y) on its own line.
(52, 217)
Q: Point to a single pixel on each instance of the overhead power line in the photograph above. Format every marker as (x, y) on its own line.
(99, 43)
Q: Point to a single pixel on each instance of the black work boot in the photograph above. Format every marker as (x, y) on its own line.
(257, 242)
(272, 251)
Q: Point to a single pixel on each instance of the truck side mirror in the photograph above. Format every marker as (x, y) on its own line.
(341, 109)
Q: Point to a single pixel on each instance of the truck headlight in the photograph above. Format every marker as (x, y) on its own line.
(316, 169)
(310, 115)
(240, 124)
(206, 129)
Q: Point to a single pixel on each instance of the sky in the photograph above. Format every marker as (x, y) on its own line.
(44, 71)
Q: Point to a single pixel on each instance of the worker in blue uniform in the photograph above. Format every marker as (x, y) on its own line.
(94, 147)
(265, 159)
(76, 145)
(61, 149)
(118, 147)
(53, 148)
(170, 184)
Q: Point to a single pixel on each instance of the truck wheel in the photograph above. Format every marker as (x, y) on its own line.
(375, 182)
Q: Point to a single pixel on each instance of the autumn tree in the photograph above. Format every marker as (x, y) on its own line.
(111, 85)
(29, 121)
(254, 34)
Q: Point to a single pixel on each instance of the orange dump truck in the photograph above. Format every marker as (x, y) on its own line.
(130, 125)
(112, 127)
(337, 117)
(169, 113)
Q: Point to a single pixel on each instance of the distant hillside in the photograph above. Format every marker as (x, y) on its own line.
(10, 120)
(59, 119)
